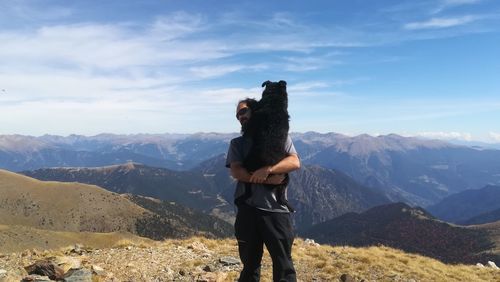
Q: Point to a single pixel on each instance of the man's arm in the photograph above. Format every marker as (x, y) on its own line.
(240, 173)
(286, 165)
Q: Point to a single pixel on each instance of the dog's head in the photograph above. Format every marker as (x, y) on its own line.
(274, 87)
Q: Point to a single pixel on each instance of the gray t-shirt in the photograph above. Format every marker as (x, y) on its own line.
(262, 197)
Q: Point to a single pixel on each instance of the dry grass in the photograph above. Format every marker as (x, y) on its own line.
(63, 206)
(381, 264)
(327, 263)
(313, 263)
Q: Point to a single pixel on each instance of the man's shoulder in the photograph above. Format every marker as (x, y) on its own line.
(238, 141)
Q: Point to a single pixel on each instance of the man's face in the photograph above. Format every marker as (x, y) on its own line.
(243, 113)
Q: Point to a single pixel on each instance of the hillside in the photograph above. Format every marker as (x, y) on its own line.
(64, 206)
(483, 218)
(183, 187)
(318, 194)
(201, 259)
(410, 229)
(493, 230)
(79, 207)
(462, 206)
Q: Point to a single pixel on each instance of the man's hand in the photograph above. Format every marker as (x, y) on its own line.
(275, 179)
(260, 175)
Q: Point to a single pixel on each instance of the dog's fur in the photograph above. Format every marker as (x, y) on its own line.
(268, 128)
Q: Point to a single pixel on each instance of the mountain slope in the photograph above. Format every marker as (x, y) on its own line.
(467, 204)
(185, 188)
(318, 194)
(79, 207)
(321, 194)
(64, 206)
(410, 229)
(487, 217)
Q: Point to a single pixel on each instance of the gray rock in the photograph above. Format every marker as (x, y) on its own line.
(346, 278)
(36, 278)
(67, 263)
(77, 248)
(46, 268)
(98, 270)
(311, 242)
(229, 261)
(78, 275)
(480, 265)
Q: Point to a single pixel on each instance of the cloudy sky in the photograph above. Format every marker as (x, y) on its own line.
(427, 68)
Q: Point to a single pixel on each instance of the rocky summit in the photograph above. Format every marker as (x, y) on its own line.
(202, 259)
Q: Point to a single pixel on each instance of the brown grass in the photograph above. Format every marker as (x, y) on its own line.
(63, 206)
(327, 263)
(313, 263)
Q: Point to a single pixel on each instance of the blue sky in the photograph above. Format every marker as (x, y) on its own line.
(415, 68)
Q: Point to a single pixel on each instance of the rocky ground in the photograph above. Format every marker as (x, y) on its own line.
(200, 259)
(163, 262)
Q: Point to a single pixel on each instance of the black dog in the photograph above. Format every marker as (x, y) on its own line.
(268, 128)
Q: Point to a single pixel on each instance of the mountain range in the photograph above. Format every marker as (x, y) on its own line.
(341, 191)
(416, 171)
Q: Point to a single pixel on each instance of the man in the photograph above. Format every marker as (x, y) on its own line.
(261, 218)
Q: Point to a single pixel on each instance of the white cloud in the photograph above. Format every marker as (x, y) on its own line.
(307, 86)
(221, 70)
(435, 23)
(28, 10)
(99, 47)
(446, 135)
(494, 136)
(311, 62)
(228, 95)
(446, 4)
(176, 25)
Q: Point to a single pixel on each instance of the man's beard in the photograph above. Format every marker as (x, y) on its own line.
(244, 127)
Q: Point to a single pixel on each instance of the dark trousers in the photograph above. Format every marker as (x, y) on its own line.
(253, 229)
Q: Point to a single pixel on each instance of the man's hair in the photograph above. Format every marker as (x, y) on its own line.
(251, 102)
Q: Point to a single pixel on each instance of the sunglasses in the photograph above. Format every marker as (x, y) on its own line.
(241, 112)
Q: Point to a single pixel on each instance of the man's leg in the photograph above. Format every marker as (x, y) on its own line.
(278, 236)
(250, 244)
